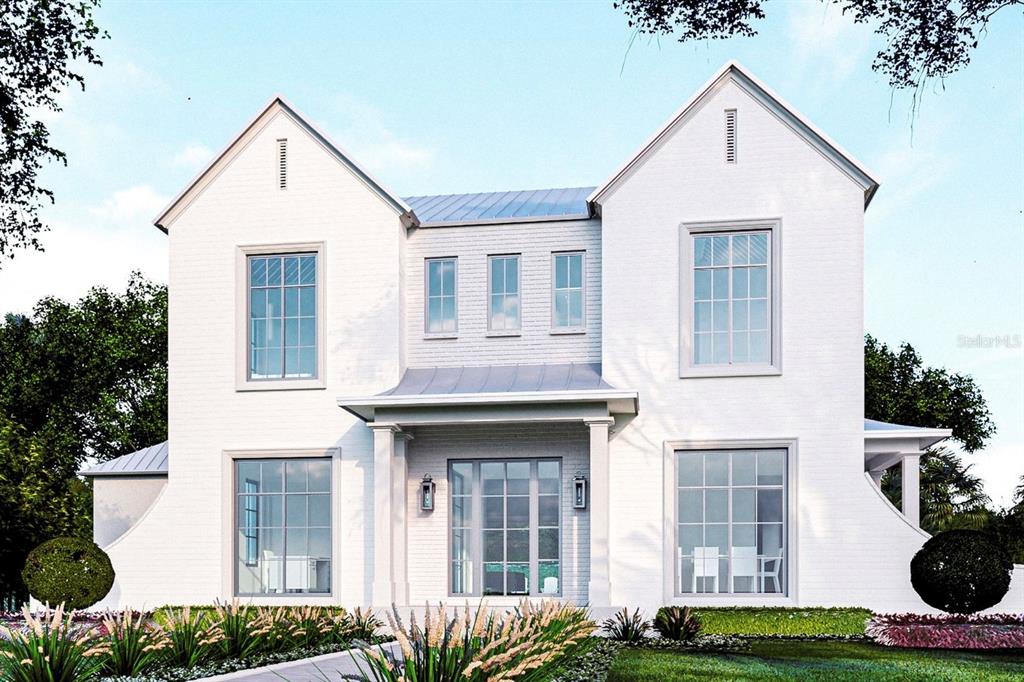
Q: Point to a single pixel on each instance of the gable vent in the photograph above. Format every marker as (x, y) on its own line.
(730, 136)
(282, 164)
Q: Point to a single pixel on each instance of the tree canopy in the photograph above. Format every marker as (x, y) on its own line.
(78, 381)
(924, 39)
(41, 44)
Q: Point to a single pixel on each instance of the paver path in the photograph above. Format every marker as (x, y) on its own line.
(326, 668)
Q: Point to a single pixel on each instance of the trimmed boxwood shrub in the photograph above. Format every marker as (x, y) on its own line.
(70, 571)
(961, 571)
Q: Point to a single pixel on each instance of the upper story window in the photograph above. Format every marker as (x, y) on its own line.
(503, 311)
(568, 295)
(282, 316)
(442, 296)
(731, 299)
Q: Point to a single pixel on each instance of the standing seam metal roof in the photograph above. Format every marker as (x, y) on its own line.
(500, 379)
(151, 461)
(564, 203)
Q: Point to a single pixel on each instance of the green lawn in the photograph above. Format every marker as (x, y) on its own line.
(833, 661)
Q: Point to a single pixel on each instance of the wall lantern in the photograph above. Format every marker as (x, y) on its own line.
(579, 491)
(427, 493)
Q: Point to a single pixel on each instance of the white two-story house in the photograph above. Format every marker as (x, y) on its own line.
(642, 393)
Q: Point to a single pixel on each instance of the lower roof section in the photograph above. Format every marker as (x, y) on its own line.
(879, 433)
(151, 461)
(493, 385)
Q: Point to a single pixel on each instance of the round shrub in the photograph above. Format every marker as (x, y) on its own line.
(70, 571)
(961, 571)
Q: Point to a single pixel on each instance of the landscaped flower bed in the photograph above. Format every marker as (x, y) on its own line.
(177, 644)
(952, 631)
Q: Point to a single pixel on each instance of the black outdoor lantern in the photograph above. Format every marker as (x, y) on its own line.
(579, 491)
(427, 493)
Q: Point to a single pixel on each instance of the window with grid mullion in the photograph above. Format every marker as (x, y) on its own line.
(503, 314)
(282, 312)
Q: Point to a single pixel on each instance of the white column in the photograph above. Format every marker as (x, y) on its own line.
(399, 497)
(383, 594)
(599, 590)
(910, 476)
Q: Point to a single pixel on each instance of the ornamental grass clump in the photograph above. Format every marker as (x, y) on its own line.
(523, 645)
(49, 648)
(677, 623)
(239, 637)
(190, 637)
(626, 627)
(128, 643)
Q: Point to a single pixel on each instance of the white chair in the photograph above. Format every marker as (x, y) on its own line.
(550, 585)
(705, 565)
(771, 573)
(744, 565)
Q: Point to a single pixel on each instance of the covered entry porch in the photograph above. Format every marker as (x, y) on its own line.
(492, 482)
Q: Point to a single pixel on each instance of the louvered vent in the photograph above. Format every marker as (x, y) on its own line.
(282, 164)
(730, 136)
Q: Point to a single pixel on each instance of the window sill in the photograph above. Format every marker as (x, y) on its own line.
(280, 385)
(568, 331)
(734, 599)
(444, 335)
(722, 371)
(499, 334)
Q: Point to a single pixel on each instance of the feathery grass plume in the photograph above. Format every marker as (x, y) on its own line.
(522, 645)
(236, 629)
(190, 637)
(130, 641)
(48, 648)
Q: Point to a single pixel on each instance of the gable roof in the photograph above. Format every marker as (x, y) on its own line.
(761, 93)
(530, 205)
(151, 461)
(275, 105)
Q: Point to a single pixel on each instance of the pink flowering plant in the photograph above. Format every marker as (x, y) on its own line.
(948, 631)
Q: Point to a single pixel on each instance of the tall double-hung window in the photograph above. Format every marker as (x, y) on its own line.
(567, 290)
(731, 521)
(441, 296)
(505, 535)
(283, 520)
(282, 316)
(732, 302)
(503, 296)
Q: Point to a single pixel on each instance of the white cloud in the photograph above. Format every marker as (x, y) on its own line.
(138, 203)
(192, 157)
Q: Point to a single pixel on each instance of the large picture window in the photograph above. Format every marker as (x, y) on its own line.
(732, 298)
(731, 521)
(282, 316)
(283, 525)
(505, 527)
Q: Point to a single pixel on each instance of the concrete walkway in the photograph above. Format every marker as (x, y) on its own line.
(326, 668)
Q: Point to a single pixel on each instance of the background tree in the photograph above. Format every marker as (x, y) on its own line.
(924, 39)
(40, 41)
(78, 381)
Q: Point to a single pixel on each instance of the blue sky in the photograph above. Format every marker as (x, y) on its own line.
(473, 97)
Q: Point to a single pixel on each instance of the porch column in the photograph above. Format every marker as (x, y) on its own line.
(910, 476)
(383, 472)
(599, 589)
(399, 497)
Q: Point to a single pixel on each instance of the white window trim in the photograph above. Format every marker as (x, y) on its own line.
(242, 380)
(582, 329)
(426, 299)
(513, 331)
(230, 521)
(669, 477)
(687, 231)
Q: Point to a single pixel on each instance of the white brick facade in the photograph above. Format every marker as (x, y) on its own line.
(848, 546)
